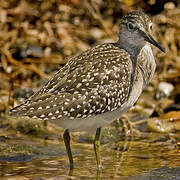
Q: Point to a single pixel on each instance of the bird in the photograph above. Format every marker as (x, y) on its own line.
(98, 85)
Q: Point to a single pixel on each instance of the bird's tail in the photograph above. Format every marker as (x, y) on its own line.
(18, 110)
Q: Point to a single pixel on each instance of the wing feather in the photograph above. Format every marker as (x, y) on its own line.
(84, 87)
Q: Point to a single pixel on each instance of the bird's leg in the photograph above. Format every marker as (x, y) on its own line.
(66, 137)
(97, 148)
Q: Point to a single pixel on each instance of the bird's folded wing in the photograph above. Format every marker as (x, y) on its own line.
(94, 82)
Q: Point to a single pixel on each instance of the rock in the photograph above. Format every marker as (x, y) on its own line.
(22, 93)
(167, 123)
(163, 173)
(169, 6)
(25, 50)
(164, 90)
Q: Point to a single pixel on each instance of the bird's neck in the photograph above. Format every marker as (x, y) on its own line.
(130, 43)
(146, 63)
(132, 49)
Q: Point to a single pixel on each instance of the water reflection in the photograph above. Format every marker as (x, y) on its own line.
(120, 159)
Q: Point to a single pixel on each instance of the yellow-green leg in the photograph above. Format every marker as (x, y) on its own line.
(66, 137)
(97, 148)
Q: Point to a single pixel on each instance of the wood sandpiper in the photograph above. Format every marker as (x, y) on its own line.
(97, 86)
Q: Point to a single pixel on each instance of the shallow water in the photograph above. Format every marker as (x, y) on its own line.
(123, 158)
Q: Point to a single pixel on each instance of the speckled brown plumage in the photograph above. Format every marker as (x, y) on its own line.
(86, 86)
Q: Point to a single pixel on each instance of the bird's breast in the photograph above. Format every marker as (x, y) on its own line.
(146, 64)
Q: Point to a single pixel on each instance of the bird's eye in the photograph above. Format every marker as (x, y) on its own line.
(131, 26)
(150, 26)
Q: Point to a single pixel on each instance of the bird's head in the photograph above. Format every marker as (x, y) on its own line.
(135, 31)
